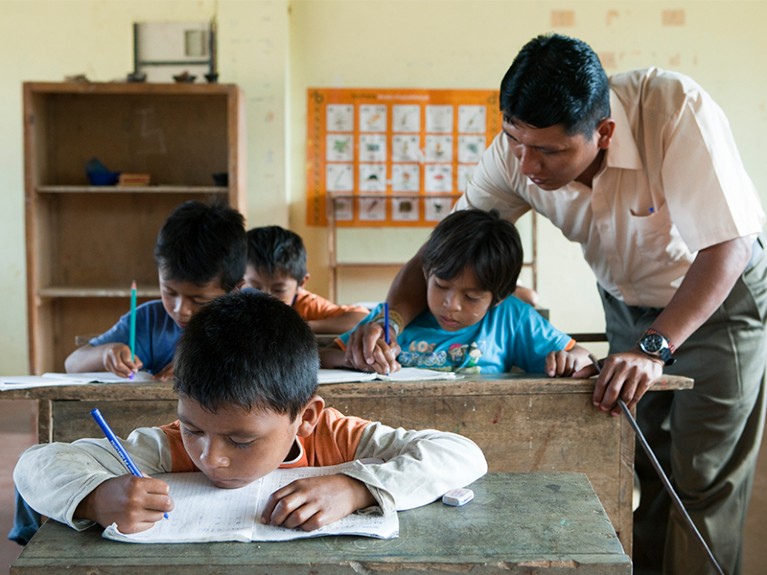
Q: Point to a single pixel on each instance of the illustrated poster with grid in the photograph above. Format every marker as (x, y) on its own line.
(391, 157)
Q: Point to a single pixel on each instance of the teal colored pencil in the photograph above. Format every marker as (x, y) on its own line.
(133, 321)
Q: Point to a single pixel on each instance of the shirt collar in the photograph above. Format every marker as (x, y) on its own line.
(623, 152)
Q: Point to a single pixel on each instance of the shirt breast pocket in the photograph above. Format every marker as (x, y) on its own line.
(655, 236)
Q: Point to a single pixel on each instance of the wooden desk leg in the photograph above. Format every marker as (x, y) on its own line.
(44, 421)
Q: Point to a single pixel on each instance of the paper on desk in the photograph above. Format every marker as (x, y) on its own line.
(404, 374)
(203, 512)
(59, 379)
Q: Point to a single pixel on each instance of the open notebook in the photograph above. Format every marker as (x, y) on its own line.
(203, 512)
(404, 374)
(56, 379)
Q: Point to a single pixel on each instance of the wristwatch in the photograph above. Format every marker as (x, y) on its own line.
(655, 344)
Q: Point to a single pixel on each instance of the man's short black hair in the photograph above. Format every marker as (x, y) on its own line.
(481, 241)
(553, 80)
(274, 249)
(247, 349)
(201, 242)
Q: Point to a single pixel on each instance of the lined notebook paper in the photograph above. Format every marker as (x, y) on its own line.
(203, 512)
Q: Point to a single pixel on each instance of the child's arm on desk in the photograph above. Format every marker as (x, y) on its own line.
(419, 466)
(337, 324)
(55, 478)
(114, 357)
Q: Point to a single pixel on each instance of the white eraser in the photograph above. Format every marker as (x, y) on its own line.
(457, 497)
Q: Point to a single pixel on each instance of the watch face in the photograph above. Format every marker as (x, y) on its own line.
(652, 343)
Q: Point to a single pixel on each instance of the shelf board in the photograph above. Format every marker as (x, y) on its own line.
(131, 190)
(341, 265)
(94, 292)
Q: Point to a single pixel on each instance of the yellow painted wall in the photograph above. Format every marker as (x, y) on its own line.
(276, 49)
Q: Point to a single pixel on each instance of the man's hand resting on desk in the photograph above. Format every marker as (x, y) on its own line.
(314, 502)
(367, 349)
(133, 503)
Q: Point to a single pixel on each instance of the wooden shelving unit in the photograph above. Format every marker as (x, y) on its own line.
(86, 243)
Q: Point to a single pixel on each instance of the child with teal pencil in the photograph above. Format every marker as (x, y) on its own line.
(201, 252)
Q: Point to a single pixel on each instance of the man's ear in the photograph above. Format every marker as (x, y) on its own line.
(605, 131)
(302, 283)
(310, 416)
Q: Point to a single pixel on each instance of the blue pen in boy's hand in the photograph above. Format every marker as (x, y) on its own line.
(118, 447)
(386, 323)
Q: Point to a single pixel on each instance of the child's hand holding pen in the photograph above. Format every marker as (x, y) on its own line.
(118, 359)
(133, 503)
(371, 336)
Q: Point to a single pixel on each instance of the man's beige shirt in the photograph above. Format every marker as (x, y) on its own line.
(672, 183)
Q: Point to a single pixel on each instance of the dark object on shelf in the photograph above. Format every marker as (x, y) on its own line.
(185, 77)
(136, 77)
(212, 77)
(221, 179)
(99, 175)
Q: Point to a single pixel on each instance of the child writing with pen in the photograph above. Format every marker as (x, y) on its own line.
(473, 324)
(246, 377)
(200, 253)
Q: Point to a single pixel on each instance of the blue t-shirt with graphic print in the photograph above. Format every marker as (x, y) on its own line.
(512, 334)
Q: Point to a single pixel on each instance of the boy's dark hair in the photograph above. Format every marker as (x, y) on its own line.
(556, 79)
(201, 242)
(480, 240)
(275, 249)
(247, 349)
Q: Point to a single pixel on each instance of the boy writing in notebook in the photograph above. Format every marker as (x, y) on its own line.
(277, 266)
(246, 377)
(200, 254)
(471, 261)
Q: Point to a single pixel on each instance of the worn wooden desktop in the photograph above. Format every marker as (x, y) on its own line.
(521, 422)
(517, 523)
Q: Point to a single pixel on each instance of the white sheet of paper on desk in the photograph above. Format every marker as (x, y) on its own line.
(59, 379)
(203, 513)
(404, 374)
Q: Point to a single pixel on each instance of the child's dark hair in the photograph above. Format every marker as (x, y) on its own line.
(480, 240)
(247, 349)
(201, 242)
(275, 249)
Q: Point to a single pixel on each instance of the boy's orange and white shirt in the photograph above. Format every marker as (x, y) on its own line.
(417, 466)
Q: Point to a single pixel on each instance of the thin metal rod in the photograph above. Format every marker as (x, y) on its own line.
(664, 479)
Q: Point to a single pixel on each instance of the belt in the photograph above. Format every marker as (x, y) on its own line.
(756, 252)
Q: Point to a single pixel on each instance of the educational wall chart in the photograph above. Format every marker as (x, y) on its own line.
(390, 157)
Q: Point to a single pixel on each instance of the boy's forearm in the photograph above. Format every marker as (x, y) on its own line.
(338, 324)
(419, 466)
(84, 359)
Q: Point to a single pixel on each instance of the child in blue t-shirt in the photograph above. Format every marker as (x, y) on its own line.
(201, 252)
(473, 324)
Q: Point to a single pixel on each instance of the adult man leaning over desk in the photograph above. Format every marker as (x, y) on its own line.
(642, 171)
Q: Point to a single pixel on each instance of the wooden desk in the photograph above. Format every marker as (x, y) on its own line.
(522, 423)
(517, 523)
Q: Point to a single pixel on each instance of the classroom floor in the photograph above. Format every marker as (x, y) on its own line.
(18, 421)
